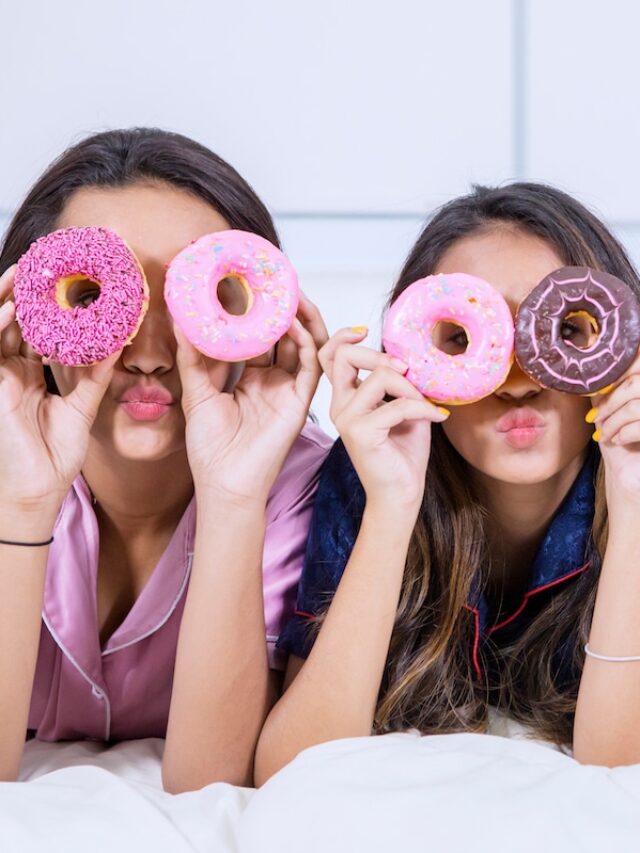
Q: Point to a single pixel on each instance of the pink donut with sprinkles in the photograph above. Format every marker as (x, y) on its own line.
(270, 285)
(468, 302)
(54, 282)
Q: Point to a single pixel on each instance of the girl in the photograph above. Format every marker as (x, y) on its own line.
(133, 540)
(469, 557)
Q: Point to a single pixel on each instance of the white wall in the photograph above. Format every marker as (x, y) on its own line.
(352, 120)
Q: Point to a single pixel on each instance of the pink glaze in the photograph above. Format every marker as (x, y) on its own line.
(469, 302)
(79, 335)
(191, 294)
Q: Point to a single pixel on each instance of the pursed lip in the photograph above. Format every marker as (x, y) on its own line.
(147, 402)
(521, 428)
(148, 394)
(520, 419)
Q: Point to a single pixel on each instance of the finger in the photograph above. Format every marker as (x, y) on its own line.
(383, 381)
(6, 282)
(311, 318)
(267, 358)
(629, 433)
(7, 317)
(351, 335)
(627, 389)
(393, 414)
(94, 381)
(348, 361)
(309, 370)
(623, 416)
(287, 352)
(192, 368)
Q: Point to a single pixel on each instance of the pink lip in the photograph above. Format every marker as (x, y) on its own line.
(521, 428)
(146, 402)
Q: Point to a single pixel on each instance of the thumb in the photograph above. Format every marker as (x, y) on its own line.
(88, 393)
(194, 375)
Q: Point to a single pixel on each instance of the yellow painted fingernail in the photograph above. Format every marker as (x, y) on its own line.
(591, 415)
(359, 330)
(444, 411)
(597, 435)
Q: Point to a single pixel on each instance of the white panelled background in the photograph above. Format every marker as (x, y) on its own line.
(352, 120)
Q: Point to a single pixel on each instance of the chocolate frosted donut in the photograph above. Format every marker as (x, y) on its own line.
(554, 362)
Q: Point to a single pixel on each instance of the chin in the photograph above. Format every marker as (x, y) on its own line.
(517, 467)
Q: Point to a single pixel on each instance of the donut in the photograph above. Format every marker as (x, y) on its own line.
(75, 261)
(468, 302)
(270, 285)
(613, 312)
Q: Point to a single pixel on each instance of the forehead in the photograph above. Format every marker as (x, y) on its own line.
(155, 220)
(511, 260)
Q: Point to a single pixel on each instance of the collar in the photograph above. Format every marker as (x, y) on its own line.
(69, 608)
(561, 554)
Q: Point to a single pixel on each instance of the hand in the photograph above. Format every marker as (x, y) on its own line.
(238, 441)
(43, 437)
(388, 442)
(618, 423)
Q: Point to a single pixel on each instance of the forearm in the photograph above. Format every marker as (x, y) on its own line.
(221, 690)
(335, 694)
(607, 723)
(22, 573)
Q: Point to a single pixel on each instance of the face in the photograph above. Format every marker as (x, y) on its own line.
(514, 262)
(156, 222)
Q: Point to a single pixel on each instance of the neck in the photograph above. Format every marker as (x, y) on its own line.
(138, 497)
(518, 518)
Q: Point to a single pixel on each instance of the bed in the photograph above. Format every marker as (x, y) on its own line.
(499, 791)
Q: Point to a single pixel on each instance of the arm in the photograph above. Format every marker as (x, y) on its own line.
(607, 721)
(237, 444)
(43, 443)
(22, 572)
(222, 688)
(335, 692)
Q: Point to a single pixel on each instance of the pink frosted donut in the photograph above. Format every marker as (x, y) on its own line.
(468, 302)
(80, 260)
(269, 281)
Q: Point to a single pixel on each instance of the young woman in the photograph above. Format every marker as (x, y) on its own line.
(458, 561)
(153, 507)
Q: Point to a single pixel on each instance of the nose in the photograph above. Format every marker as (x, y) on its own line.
(518, 386)
(153, 349)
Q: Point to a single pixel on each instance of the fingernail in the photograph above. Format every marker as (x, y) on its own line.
(597, 435)
(359, 330)
(591, 415)
(444, 411)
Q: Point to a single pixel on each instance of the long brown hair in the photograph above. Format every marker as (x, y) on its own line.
(429, 681)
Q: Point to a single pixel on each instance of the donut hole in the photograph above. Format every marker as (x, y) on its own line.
(77, 291)
(449, 337)
(579, 329)
(234, 294)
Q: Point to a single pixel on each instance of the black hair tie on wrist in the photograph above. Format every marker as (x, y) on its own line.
(26, 544)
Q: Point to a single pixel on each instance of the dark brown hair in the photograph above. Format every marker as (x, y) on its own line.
(429, 681)
(119, 158)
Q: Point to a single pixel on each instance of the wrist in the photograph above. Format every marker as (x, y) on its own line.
(217, 501)
(390, 514)
(27, 524)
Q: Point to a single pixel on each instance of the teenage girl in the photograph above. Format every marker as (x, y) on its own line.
(139, 540)
(462, 560)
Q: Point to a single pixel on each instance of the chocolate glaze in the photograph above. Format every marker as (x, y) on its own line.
(554, 362)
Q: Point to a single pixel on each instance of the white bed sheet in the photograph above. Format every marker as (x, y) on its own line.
(393, 793)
